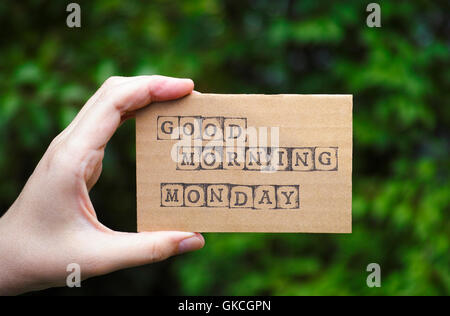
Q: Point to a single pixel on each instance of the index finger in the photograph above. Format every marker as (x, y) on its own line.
(102, 118)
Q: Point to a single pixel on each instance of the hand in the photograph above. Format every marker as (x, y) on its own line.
(53, 222)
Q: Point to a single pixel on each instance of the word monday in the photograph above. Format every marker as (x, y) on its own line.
(225, 195)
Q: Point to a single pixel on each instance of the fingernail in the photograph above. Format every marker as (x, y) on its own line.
(191, 243)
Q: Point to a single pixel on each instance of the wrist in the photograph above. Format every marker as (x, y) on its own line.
(13, 276)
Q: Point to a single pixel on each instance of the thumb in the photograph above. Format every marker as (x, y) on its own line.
(121, 250)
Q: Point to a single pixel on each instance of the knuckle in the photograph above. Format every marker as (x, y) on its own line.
(59, 156)
(158, 253)
(109, 87)
(54, 149)
(155, 77)
(112, 81)
(54, 143)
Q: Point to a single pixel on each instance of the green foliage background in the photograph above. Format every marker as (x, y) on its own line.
(399, 76)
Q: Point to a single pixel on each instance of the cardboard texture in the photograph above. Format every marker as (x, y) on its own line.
(245, 163)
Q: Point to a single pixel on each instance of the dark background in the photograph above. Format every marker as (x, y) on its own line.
(399, 76)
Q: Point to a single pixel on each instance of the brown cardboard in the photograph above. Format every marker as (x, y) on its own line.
(210, 189)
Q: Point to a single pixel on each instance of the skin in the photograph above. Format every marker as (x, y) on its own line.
(53, 222)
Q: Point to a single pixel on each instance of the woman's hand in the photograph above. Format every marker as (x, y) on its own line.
(53, 222)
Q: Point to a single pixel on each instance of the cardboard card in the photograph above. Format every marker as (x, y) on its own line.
(245, 163)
